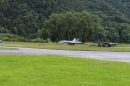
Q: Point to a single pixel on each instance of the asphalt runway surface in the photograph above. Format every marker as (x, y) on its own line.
(111, 56)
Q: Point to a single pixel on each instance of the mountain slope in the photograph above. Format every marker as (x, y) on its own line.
(26, 17)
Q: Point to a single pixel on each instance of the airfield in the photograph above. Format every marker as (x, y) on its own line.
(109, 56)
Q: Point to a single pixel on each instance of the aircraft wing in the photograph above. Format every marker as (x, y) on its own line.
(64, 41)
(78, 42)
(68, 41)
(72, 42)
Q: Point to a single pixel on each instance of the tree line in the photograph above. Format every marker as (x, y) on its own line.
(83, 25)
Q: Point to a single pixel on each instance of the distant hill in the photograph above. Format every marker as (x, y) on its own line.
(26, 17)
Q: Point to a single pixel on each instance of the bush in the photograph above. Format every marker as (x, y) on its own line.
(38, 40)
(15, 38)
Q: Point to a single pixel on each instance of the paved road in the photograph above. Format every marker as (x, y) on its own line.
(112, 56)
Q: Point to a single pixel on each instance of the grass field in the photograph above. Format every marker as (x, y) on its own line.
(7, 48)
(81, 47)
(61, 71)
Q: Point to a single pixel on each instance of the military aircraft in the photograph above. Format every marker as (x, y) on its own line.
(74, 41)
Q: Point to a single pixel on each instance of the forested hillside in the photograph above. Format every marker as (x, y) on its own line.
(26, 17)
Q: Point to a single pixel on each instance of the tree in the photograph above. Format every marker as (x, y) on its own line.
(70, 25)
(55, 24)
(43, 33)
(89, 25)
(82, 25)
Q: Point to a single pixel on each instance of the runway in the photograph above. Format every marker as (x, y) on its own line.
(111, 56)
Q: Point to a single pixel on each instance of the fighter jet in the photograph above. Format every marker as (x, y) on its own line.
(74, 41)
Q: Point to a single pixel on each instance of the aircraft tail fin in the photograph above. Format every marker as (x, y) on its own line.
(74, 40)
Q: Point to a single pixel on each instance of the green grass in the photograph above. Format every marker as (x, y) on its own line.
(61, 71)
(123, 45)
(7, 48)
(81, 47)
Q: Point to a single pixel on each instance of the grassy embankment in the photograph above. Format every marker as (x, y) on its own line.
(61, 71)
(81, 47)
